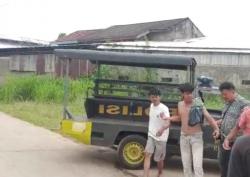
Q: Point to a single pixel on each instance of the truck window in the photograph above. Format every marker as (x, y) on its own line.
(129, 81)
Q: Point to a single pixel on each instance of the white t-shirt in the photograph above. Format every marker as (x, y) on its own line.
(156, 122)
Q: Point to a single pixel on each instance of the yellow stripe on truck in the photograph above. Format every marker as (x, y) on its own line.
(80, 131)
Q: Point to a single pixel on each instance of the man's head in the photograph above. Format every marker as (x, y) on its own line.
(227, 90)
(186, 92)
(155, 96)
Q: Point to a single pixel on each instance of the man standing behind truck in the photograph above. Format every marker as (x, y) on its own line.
(234, 104)
(191, 140)
(158, 131)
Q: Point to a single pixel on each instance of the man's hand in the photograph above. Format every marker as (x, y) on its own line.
(216, 134)
(226, 144)
(219, 122)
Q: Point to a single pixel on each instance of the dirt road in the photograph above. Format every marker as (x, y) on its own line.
(30, 151)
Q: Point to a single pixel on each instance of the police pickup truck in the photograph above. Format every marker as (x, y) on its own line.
(117, 110)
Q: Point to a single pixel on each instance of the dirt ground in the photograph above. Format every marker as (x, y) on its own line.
(30, 151)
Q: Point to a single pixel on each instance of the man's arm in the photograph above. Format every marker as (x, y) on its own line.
(176, 118)
(219, 122)
(164, 116)
(242, 119)
(233, 133)
(212, 123)
(165, 126)
(231, 137)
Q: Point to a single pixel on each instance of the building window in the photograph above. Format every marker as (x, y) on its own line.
(245, 82)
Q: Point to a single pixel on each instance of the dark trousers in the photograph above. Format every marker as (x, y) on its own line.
(224, 157)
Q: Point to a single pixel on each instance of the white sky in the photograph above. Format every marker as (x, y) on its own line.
(45, 19)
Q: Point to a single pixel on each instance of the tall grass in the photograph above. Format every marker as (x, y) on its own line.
(38, 99)
(46, 89)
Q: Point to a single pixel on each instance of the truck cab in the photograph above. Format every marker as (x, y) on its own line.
(117, 107)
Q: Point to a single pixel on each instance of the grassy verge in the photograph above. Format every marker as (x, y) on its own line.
(47, 115)
(38, 99)
(40, 114)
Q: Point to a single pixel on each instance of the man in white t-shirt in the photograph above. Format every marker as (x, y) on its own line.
(158, 131)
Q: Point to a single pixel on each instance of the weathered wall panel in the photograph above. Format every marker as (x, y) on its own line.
(221, 66)
(25, 63)
(50, 60)
(4, 65)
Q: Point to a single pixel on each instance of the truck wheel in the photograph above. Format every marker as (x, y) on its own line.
(131, 151)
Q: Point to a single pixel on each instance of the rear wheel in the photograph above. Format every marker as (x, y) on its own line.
(131, 151)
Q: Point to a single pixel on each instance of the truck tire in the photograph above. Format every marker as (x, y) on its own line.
(131, 151)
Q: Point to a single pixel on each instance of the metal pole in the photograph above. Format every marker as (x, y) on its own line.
(87, 67)
(98, 76)
(66, 89)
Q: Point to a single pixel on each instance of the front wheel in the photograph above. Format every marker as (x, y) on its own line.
(131, 151)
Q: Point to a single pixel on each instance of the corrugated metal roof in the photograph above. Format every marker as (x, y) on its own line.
(128, 32)
(78, 35)
(194, 45)
(131, 31)
(3, 45)
(23, 40)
